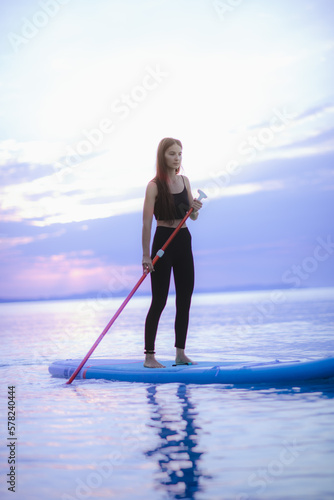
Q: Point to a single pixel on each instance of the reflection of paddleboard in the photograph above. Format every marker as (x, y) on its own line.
(205, 372)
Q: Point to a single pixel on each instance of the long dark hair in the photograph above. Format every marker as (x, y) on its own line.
(164, 204)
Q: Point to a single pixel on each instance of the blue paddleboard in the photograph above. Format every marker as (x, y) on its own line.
(205, 372)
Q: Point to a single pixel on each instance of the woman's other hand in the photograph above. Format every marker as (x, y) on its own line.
(197, 205)
(147, 265)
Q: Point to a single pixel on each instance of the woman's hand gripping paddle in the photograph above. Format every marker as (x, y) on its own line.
(159, 254)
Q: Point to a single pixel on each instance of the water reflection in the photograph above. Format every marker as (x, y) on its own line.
(177, 453)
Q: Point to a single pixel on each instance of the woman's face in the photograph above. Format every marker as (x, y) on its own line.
(173, 156)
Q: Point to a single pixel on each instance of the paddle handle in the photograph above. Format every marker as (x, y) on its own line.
(202, 195)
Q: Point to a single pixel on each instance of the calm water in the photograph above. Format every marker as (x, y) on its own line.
(117, 440)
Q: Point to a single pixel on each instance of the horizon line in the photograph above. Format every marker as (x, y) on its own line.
(96, 295)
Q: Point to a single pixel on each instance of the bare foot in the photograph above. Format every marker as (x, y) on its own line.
(182, 359)
(151, 362)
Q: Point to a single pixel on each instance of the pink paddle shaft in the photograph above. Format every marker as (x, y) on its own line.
(135, 288)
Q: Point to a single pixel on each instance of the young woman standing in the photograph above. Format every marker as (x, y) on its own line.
(168, 197)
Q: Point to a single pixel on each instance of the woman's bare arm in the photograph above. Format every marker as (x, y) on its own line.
(150, 197)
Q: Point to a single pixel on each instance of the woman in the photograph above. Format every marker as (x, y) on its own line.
(168, 197)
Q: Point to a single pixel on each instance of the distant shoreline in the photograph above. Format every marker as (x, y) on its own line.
(97, 295)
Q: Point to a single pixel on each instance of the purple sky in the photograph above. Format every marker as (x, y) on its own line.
(87, 92)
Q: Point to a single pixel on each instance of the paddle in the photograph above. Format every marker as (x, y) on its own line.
(135, 288)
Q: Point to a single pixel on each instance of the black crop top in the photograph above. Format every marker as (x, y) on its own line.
(181, 203)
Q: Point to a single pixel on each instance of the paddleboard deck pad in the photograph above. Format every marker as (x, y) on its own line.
(205, 372)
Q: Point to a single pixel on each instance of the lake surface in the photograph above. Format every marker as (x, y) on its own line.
(120, 440)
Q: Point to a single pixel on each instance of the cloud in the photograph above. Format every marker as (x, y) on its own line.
(63, 275)
(317, 140)
(316, 111)
(95, 189)
(114, 238)
(238, 240)
(218, 187)
(28, 152)
(303, 134)
(7, 241)
(44, 195)
(71, 195)
(10, 242)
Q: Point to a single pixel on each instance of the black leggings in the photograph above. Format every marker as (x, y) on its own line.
(178, 255)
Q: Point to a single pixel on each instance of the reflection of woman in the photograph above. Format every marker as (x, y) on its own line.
(177, 451)
(168, 197)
